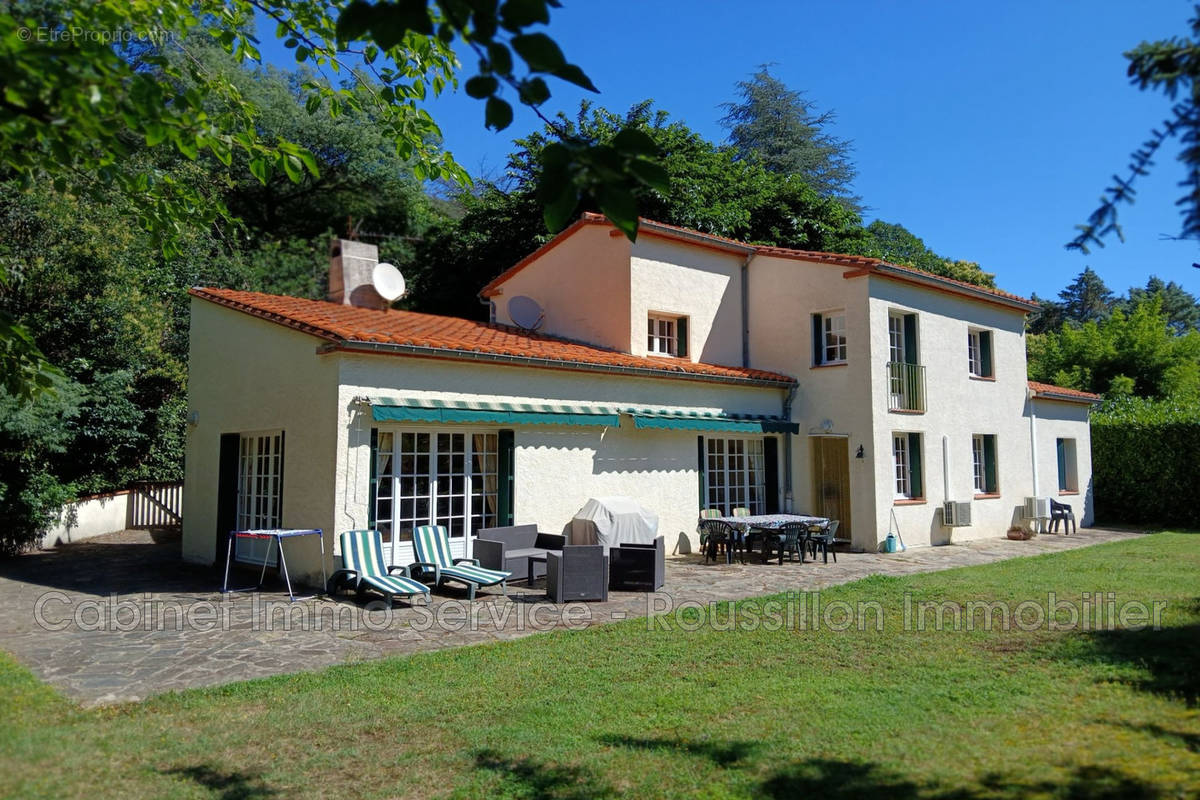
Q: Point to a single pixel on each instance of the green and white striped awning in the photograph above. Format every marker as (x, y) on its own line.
(411, 409)
(421, 409)
(680, 420)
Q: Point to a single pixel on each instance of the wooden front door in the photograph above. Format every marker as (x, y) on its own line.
(831, 480)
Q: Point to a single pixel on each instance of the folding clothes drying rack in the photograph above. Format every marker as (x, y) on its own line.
(277, 536)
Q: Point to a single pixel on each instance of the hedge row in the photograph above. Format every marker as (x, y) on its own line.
(1145, 462)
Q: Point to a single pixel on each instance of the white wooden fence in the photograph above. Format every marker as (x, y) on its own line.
(155, 505)
(144, 505)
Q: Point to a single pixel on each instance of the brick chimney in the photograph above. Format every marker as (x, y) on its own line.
(350, 274)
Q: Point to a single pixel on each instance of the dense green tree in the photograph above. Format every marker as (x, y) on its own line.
(1049, 317)
(88, 85)
(782, 130)
(96, 293)
(1123, 353)
(710, 190)
(1087, 299)
(897, 244)
(35, 438)
(1180, 306)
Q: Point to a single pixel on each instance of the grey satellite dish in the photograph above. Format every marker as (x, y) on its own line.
(525, 312)
(388, 281)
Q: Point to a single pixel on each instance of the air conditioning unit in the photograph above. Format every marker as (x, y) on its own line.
(956, 515)
(1037, 508)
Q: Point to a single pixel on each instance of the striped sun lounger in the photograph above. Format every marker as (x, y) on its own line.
(363, 568)
(432, 546)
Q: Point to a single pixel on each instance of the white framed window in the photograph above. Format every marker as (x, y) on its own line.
(260, 492)
(735, 475)
(1068, 470)
(983, 463)
(977, 464)
(900, 463)
(833, 338)
(896, 350)
(979, 353)
(436, 477)
(907, 466)
(666, 335)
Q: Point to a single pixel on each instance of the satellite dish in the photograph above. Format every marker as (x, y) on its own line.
(388, 281)
(525, 312)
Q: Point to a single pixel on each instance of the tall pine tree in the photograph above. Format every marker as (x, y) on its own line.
(781, 130)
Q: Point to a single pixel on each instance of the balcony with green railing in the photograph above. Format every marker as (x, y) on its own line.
(906, 387)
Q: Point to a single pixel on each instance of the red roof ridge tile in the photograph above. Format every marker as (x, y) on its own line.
(344, 326)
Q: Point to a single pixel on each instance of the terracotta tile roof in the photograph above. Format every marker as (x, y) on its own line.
(864, 263)
(1052, 392)
(450, 337)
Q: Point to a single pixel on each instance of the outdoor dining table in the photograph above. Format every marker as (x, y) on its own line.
(746, 526)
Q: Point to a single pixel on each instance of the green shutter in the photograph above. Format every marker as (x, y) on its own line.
(817, 335)
(985, 353)
(910, 339)
(227, 491)
(681, 331)
(771, 474)
(702, 472)
(989, 463)
(374, 486)
(506, 443)
(1061, 446)
(914, 465)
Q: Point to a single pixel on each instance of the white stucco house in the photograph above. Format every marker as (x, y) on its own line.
(685, 370)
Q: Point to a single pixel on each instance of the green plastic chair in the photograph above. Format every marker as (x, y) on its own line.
(432, 546)
(706, 513)
(363, 568)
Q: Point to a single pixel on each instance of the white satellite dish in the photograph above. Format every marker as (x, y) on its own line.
(388, 281)
(525, 312)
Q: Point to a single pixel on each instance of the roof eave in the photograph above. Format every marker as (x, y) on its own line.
(900, 274)
(421, 351)
(1067, 398)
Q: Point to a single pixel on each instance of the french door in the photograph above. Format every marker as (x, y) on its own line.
(896, 356)
(259, 493)
(434, 477)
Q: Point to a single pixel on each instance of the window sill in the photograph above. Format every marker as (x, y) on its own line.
(1062, 492)
(985, 378)
(988, 496)
(912, 501)
(904, 411)
(830, 365)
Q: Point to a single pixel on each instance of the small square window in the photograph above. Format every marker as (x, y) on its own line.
(666, 336)
(829, 338)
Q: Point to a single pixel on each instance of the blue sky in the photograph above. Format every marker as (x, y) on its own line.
(988, 129)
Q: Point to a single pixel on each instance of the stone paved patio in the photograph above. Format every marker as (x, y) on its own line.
(120, 618)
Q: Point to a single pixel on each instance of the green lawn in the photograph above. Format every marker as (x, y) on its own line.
(622, 710)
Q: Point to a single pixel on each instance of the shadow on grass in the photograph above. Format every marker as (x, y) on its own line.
(860, 780)
(226, 785)
(531, 779)
(843, 780)
(1169, 659)
(722, 754)
(1189, 741)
